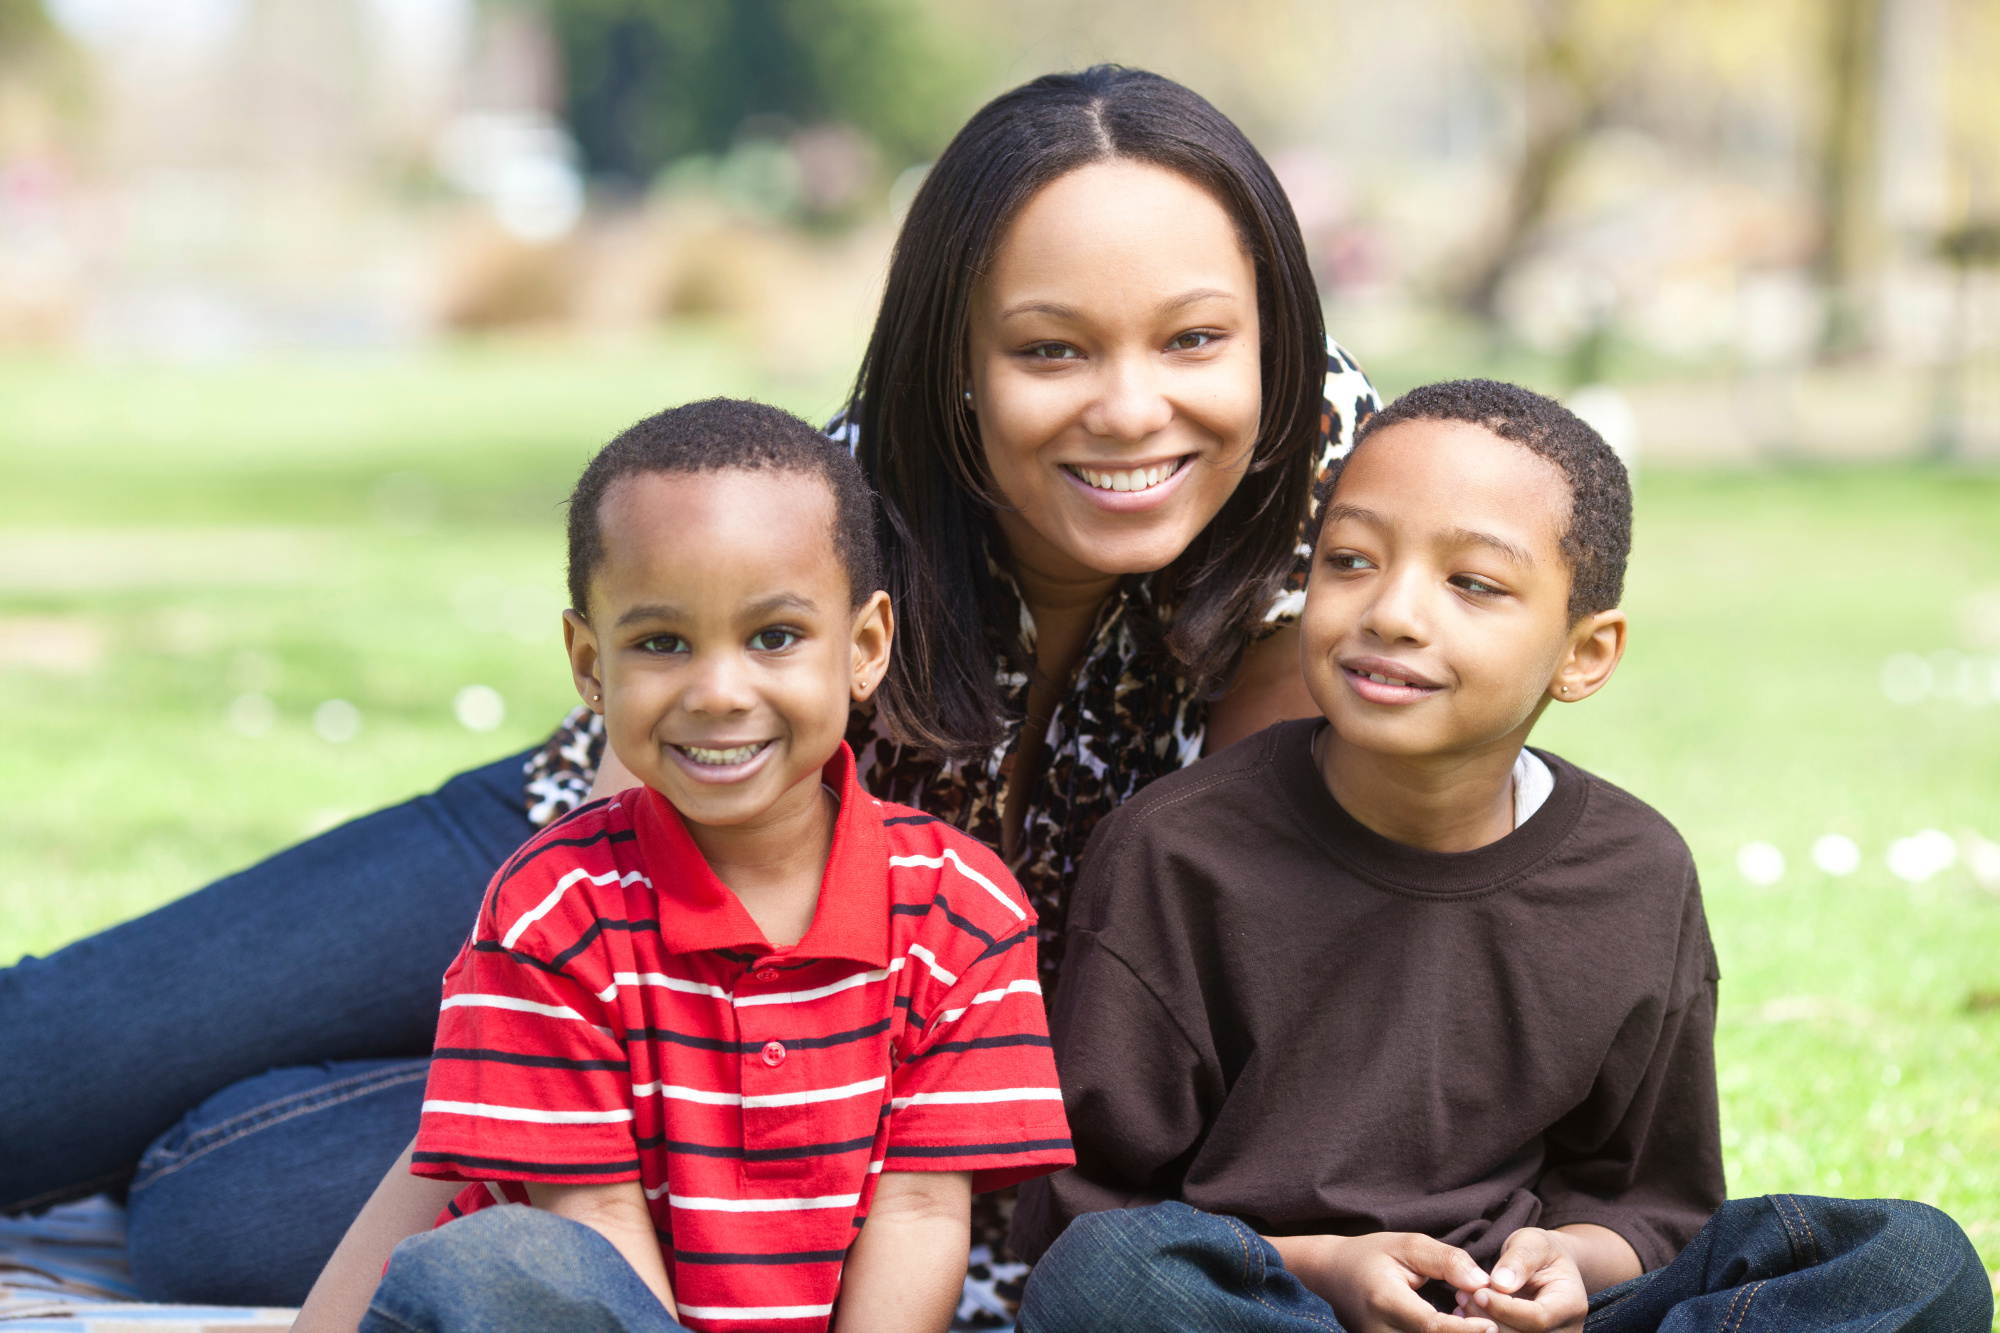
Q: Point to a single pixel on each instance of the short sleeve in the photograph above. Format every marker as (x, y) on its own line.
(1347, 399)
(528, 1080)
(977, 1091)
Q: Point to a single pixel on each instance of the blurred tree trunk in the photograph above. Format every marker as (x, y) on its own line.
(1849, 234)
(1564, 100)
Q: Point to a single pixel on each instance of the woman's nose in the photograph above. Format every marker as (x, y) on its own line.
(1130, 405)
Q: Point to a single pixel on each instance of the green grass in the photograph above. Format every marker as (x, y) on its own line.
(173, 539)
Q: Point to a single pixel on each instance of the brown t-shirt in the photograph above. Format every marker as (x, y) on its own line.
(1269, 1011)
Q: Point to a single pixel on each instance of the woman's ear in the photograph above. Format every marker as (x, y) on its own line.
(874, 632)
(1596, 645)
(586, 668)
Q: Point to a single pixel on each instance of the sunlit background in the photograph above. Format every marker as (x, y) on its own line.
(311, 309)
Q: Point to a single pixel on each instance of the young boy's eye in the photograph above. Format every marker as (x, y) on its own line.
(773, 640)
(664, 643)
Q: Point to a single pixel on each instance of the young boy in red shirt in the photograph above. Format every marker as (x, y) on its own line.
(746, 1038)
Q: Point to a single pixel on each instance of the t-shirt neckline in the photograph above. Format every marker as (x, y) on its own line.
(1404, 869)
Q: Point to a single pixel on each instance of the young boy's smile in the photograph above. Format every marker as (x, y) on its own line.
(1437, 623)
(723, 643)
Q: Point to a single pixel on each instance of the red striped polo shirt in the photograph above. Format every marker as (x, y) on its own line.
(617, 1015)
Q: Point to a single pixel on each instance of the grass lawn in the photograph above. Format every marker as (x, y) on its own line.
(192, 562)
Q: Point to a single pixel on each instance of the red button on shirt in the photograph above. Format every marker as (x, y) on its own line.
(767, 974)
(774, 1053)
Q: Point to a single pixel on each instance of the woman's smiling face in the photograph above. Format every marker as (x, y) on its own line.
(1115, 370)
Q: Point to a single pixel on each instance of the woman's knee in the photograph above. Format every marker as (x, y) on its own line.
(243, 1200)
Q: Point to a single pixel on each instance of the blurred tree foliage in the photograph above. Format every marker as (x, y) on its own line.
(649, 82)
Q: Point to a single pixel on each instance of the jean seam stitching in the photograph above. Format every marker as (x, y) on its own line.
(1257, 1292)
(1749, 1296)
(180, 1161)
(264, 1109)
(1806, 1223)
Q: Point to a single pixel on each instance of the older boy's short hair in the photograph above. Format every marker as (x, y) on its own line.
(1597, 538)
(713, 435)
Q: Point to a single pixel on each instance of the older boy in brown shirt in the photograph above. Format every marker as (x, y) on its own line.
(1382, 1021)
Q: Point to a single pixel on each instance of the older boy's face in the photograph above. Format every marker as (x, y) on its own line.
(722, 639)
(1438, 610)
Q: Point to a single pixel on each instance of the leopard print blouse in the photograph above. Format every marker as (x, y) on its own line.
(1122, 723)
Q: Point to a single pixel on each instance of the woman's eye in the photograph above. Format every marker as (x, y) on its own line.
(1052, 352)
(665, 643)
(1192, 341)
(773, 640)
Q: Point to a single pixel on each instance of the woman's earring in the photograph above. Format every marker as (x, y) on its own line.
(968, 398)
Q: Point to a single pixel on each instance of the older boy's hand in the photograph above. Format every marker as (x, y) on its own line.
(1371, 1281)
(1536, 1287)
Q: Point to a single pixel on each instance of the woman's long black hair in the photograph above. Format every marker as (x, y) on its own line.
(919, 443)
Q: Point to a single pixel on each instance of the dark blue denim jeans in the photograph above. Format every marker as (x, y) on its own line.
(285, 975)
(1782, 1262)
(513, 1270)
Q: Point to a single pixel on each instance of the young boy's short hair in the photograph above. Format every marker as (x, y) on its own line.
(1598, 538)
(716, 434)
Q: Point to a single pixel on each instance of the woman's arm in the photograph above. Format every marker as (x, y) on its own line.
(402, 1205)
(1270, 688)
(619, 1214)
(905, 1270)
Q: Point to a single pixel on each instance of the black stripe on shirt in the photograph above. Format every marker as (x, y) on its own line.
(795, 1257)
(965, 925)
(980, 1149)
(650, 1141)
(729, 1046)
(543, 1168)
(912, 819)
(1013, 941)
(522, 860)
(525, 959)
(983, 1044)
(530, 1061)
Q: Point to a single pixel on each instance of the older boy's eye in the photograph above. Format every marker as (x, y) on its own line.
(1349, 560)
(773, 640)
(1476, 585)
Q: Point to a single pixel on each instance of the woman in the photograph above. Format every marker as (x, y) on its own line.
(1093, 405)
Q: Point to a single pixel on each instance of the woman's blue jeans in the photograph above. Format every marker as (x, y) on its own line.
(265, 1036)
(1779, 1264)
(513, 1270)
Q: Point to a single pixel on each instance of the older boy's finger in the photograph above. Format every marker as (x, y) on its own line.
(1516, 1313)
(1445, 1263)
(1524, 1254)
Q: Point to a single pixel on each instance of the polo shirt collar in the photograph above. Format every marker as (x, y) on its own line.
(699, 912)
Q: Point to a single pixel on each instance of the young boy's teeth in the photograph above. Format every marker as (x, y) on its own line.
(719, 758)
(1135, 479)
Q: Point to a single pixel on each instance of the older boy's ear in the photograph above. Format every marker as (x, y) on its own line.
(585, 666)
(1596, 645)
(874, 632)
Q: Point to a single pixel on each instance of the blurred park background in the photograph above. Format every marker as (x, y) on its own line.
(310, 310)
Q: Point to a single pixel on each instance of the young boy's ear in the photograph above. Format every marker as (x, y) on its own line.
(874, 630)
(1596, 644)
(586, 669)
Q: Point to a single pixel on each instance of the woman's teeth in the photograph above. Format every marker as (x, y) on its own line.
(1136, 479)
(722, 758)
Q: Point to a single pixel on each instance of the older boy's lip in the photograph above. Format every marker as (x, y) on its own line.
(1388, 671)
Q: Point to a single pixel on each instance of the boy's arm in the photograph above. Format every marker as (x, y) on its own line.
(402, 1205)
(905, 1270)
(619, 1214)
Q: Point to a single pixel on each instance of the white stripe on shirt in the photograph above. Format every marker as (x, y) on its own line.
(532, 1114)
(970, 1098)
(720, 1312)
(548, 904)
(937, 863)
(1022, 987)
(700, 1205)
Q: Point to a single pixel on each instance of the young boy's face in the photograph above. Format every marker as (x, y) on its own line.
(1437, 618)
(722, 645)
